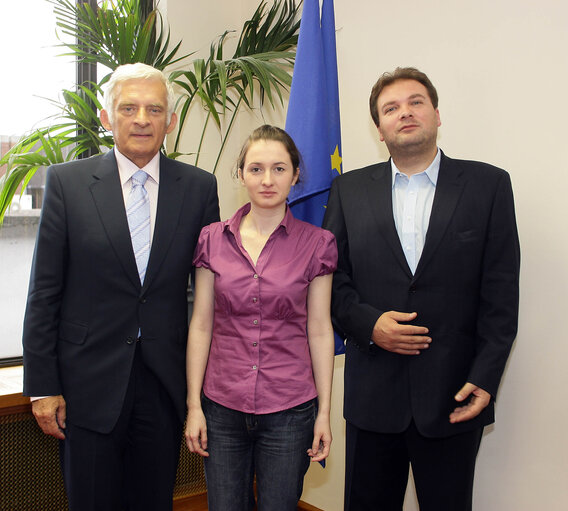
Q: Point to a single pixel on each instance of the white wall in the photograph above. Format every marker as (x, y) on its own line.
(501, 70)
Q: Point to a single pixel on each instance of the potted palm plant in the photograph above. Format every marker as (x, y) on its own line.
(126, 31)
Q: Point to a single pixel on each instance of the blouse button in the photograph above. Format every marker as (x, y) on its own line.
(255, 299)
(255, 276)
(255, 344)
(255, 322)
(254, 367)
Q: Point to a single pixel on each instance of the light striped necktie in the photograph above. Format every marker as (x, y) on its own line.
(138, 214)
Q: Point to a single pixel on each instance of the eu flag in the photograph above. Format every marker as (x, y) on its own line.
(313, 115)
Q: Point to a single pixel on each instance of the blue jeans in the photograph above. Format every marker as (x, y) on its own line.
(273, 446)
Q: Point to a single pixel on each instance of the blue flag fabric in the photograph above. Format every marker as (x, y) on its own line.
(313, 115)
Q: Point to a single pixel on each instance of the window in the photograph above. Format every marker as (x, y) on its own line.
(32, 72)
(37, 75)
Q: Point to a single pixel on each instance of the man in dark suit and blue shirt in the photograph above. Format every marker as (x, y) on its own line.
(106, 321)
(426, 293)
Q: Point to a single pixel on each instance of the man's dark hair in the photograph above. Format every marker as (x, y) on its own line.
(400, 73)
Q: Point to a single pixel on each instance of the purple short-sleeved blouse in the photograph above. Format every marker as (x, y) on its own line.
(260, 360)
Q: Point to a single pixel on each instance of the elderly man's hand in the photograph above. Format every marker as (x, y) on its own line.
(50, 414)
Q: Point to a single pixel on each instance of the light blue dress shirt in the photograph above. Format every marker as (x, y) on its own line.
(412, 199)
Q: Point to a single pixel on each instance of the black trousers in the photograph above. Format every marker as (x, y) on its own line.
(377, 467)
(134, 466)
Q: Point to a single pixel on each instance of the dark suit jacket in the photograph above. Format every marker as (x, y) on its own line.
(465, 290)
(85, 302)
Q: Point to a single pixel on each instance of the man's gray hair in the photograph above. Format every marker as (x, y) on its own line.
(136, 72)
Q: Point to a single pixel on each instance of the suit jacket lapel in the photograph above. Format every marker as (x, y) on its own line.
(109, 200)
(379, 196)
(448, 191)
(170, 198)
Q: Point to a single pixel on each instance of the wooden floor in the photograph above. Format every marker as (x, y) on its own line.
(196, 503)
(199, 503)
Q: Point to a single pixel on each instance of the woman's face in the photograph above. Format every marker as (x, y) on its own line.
(268, 173)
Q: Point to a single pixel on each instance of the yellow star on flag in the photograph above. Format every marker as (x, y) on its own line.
(336, 160)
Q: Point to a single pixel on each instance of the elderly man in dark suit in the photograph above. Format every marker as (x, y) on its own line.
(106, 321)
(426, 293)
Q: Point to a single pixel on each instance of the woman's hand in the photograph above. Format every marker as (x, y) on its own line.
(322, 439)
(196, 432)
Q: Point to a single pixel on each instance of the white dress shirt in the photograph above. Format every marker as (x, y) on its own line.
(412, 199)
(127, 168)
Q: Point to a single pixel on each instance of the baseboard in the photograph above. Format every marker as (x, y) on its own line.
(303, 506)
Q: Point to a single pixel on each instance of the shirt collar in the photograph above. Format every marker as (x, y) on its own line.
(432, 171)
(233, 223)
(127, 168)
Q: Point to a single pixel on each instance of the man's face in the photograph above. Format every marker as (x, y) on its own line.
(139, 123)
(408, 122)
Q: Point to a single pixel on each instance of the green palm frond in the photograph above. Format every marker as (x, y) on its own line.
(263, 60)
(78, 130)
(276, 30)
(23, 160)
(118, 32)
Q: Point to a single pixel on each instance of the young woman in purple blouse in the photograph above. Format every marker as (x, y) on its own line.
(260, 345)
